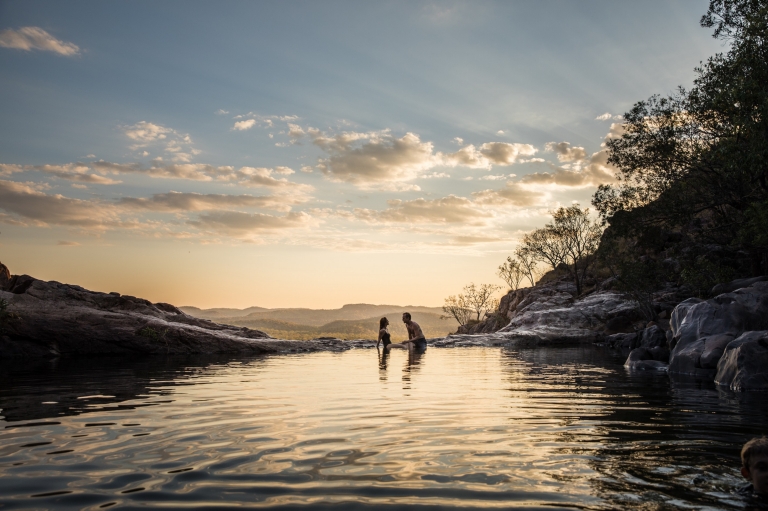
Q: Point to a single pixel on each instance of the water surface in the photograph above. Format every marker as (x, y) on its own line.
(470, 428)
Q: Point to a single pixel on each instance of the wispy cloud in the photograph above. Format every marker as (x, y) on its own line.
(178, 146)
(35, 38)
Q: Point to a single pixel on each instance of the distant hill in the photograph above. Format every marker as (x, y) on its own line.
(353, 321)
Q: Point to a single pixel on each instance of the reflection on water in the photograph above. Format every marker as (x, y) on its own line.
(470, 428)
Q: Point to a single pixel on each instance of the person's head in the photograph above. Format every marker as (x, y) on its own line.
(383, 322)
(754, 463)
(406, 317)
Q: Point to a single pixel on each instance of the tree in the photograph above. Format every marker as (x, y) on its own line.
(511, 272)
(456, 307)
(697, 161)
(570, 240)
(527, 264)
(480, 298)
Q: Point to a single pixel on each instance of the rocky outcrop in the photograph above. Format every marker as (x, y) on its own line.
(50, 319)
(703, 329)
(744, 363)
(552, 315)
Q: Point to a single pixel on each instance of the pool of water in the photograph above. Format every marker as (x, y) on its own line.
(467, 428)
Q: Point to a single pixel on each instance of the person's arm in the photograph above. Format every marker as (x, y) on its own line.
(379, 339)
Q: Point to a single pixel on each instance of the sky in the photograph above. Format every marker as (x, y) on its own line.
(312, 154)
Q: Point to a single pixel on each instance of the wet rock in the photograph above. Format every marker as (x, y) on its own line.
(653, 337)
(744, 365)
(552, 315)
(660, 353)
(619, 324)
(623, 341)
(701, 329)
(642, 359)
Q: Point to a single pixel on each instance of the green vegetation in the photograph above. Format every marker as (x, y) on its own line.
(690, 205)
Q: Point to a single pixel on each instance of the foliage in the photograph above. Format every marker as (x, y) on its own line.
(697, 161)
(480, 298)
(151, 333)
(511, 272)
(570, 240)
(527, 264)
(457, 307)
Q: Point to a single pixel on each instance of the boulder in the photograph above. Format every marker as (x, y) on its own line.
(552, 315)
(653, 337)
(51, 319)
(642, 359)
(703, 329)
(744, 364)
(736, 284)
(623, 341)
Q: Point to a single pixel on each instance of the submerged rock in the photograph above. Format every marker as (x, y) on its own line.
(51, 319)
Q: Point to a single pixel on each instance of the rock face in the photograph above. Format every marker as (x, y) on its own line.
(550, 314)
(744, 364)
(51, 319)
(704, 331)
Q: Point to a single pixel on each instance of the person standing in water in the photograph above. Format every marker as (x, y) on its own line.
(415, 335)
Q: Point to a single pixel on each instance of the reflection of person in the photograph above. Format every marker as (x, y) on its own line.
(415, 335)
(754, 466)
(384, 337)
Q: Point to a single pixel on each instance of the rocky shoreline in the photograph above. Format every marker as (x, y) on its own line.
(724, 339)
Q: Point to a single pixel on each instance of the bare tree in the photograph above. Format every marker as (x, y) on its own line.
(512, 273)
(527, 264)
(571, 239)
(480, 298)
(456, 307)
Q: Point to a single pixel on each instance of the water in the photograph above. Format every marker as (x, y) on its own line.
(471, 428)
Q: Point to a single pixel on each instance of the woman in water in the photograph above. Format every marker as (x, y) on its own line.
(384, 336)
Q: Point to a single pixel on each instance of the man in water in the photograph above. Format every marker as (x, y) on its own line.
(754, 467)
(415, 335)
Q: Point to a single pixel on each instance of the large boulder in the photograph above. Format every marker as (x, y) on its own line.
(643, 359)
(744, 365)
(552, 315)
(51, 319)
(702, 330)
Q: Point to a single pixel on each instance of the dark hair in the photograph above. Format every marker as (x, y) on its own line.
(383, 323)
(755, 447)
(407, 315)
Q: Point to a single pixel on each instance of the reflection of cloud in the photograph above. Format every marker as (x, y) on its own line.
(451, 209)
(35, 38)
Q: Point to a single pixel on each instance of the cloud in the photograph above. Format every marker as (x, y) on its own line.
(238, 224)
(513, 194)
(191, 171)
(565, 152)
(500, 132)
(380, 160)
(179, 202)
(221, 111)
(493, 177)
(608, 116)
(62, 243)
(447, 210)
(70, 171)
(502, 153)
(458, 140)
(35, 38)
(25, 202)
(146, 134)
(244, 125)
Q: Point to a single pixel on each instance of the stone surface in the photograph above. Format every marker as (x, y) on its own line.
(744, 365)
(702, 329)
(58, 319)
(551, 315)
(642, 359)
(729, 287)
